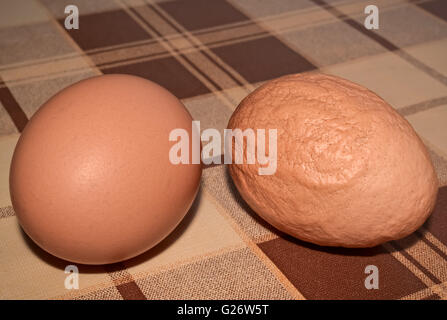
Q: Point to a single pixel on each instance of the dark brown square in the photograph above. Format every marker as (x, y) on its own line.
(339, 273)
(436, 7)
(437, 223)
(168, 73)
(13, 108)
(200, 14)
(263, 59)
(106, 29)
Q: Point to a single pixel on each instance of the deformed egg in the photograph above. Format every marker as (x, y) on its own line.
(350, 170)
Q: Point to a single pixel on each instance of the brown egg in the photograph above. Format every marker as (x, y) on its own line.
(91, 180)
(350, 170)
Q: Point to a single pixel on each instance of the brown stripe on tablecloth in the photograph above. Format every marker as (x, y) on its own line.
(134, 11)
(432, 246)
(191, 49)
(13, 108)
(113, 63)
(435, 7)
(381, 40)
(426, 258)
(184, 85)
(104, 35)
(124, 282)
(425, 293)
(271, 50)
(7, 212)
(437, 222)
(198, 33)
(435, 241)
(207, 42)
(86, 37)
(211, 67)
(200, 14)
(273, 59)
(422, 106)
(432, 297)
(116, 48)
(105, 29)
(415, 262)
(146, 69)
(123, 60)
(130, 291)
(338, 273)
(259, 33)
(195, 46)
(431, 286)
(151, 69)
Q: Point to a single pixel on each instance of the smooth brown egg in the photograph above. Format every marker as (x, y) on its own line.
(91, 180)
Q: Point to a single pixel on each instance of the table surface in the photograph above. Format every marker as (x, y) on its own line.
(211, 54)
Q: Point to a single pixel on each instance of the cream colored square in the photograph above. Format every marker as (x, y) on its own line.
(180, 43)
(203, 233)
(25, 274)
(238, 274)
(33, 94)
(7, 145)
(298, 20)
(21, 12)
(395, 80)
(432, 125)
(68, 64)
(433, 54)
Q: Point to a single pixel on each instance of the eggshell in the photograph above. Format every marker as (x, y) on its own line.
(91, 181)
(350, 172)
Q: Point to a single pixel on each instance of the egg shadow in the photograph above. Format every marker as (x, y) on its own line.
(91, 269)
(55, 261)
(365, 252)
(357, 252)
(244, 205)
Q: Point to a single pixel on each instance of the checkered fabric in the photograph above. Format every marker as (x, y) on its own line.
(211, 54)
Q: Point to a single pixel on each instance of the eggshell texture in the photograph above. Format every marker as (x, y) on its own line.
(351, 171)
(91, 181)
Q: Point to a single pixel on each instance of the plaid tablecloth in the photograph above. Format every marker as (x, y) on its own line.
(212, 53)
